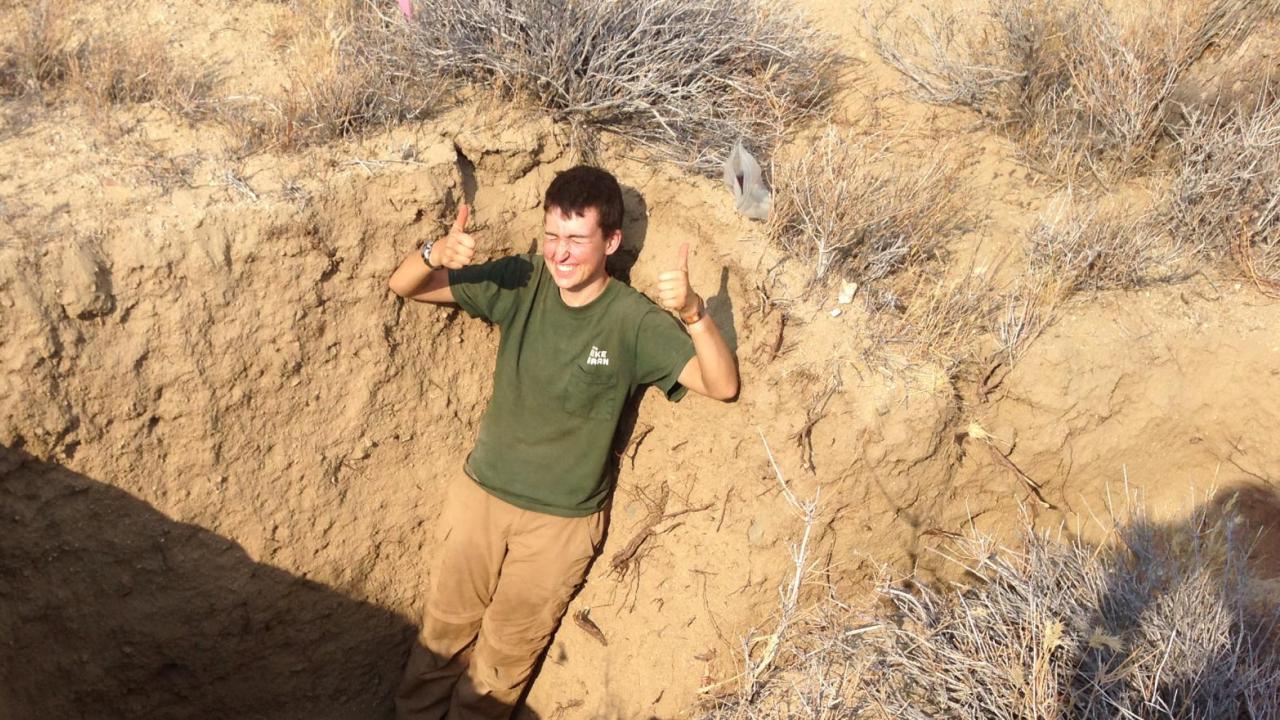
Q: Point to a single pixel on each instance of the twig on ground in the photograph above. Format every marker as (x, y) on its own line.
(582, 619)
(629, 556)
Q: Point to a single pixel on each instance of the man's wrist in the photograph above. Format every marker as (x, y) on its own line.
(426, 255)
(691, 317)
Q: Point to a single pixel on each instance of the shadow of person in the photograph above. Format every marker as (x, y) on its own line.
(635, 228)
(108, 609)
(720, 308)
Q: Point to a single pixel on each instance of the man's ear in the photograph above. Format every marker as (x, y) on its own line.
(613, 242)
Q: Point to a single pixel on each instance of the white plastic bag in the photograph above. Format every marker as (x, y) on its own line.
(743, 178)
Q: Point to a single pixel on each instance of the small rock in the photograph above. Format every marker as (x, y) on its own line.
(847, 291)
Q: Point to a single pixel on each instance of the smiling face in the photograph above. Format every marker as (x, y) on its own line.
(574, 248)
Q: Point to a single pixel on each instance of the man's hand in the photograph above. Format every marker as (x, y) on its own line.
(457, 249)
(713, 369)
(674, 292)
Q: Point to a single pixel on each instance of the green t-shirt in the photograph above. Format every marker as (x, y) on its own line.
(561, 379)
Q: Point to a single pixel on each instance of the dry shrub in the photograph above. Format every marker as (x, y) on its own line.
(1226, 193)
(849, 207)
(1078, 247)
(683, 78)
(1160, 622)
(1025, 311)
(1085, 248)
(1084, 90)
(818, 673)
(349, 73)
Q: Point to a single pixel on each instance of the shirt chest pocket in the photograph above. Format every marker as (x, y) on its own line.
(592, 392)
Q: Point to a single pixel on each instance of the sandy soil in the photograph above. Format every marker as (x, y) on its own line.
(223, 441)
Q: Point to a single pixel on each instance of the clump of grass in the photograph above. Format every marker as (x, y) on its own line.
(349, 73)
(1226, 192)
(1162, 621)
(1081, 88)
(933, 317)
(40, 53)
(848, 206)
(684, 79)
(109, 70)
(1084, 248)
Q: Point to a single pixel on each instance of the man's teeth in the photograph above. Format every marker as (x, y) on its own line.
(566, 268)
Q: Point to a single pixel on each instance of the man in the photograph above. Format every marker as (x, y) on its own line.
(522, 525)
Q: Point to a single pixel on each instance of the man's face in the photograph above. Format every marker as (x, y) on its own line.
(574, 248)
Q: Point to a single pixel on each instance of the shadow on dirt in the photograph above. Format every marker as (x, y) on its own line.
(108, 609)
(1190, 635)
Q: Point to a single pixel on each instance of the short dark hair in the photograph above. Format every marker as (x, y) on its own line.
(581, 187)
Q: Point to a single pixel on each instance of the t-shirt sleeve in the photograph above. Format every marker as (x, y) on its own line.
(663, 348)
(491, 290)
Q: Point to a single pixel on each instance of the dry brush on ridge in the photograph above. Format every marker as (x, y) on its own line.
(45, 58)
(682, 79)
(685, 79)
(1083, 88)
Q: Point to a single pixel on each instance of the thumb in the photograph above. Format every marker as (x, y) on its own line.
(684, 257)
(464, 212)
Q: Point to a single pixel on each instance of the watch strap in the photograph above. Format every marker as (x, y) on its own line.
(426, 255)
(697, 314)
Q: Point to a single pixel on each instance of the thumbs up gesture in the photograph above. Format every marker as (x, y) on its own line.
(457, 249)
(674, 292)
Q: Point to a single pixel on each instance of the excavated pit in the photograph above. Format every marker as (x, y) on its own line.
(224, 443)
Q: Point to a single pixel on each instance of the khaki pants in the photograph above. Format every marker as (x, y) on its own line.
(499, 587)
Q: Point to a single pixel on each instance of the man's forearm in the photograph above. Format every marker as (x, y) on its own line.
(412, 275)
(716, 361)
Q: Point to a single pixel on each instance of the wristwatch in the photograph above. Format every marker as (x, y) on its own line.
(697, 314)
(426, 255)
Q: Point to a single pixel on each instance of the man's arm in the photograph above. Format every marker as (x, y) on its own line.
(414, 280)
(713, 369)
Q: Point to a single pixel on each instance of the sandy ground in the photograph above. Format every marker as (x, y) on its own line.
(224, 441)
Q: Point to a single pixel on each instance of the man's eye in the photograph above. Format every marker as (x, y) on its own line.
(581, 241)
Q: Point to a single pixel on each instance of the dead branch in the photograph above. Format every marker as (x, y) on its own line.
(583, 620)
